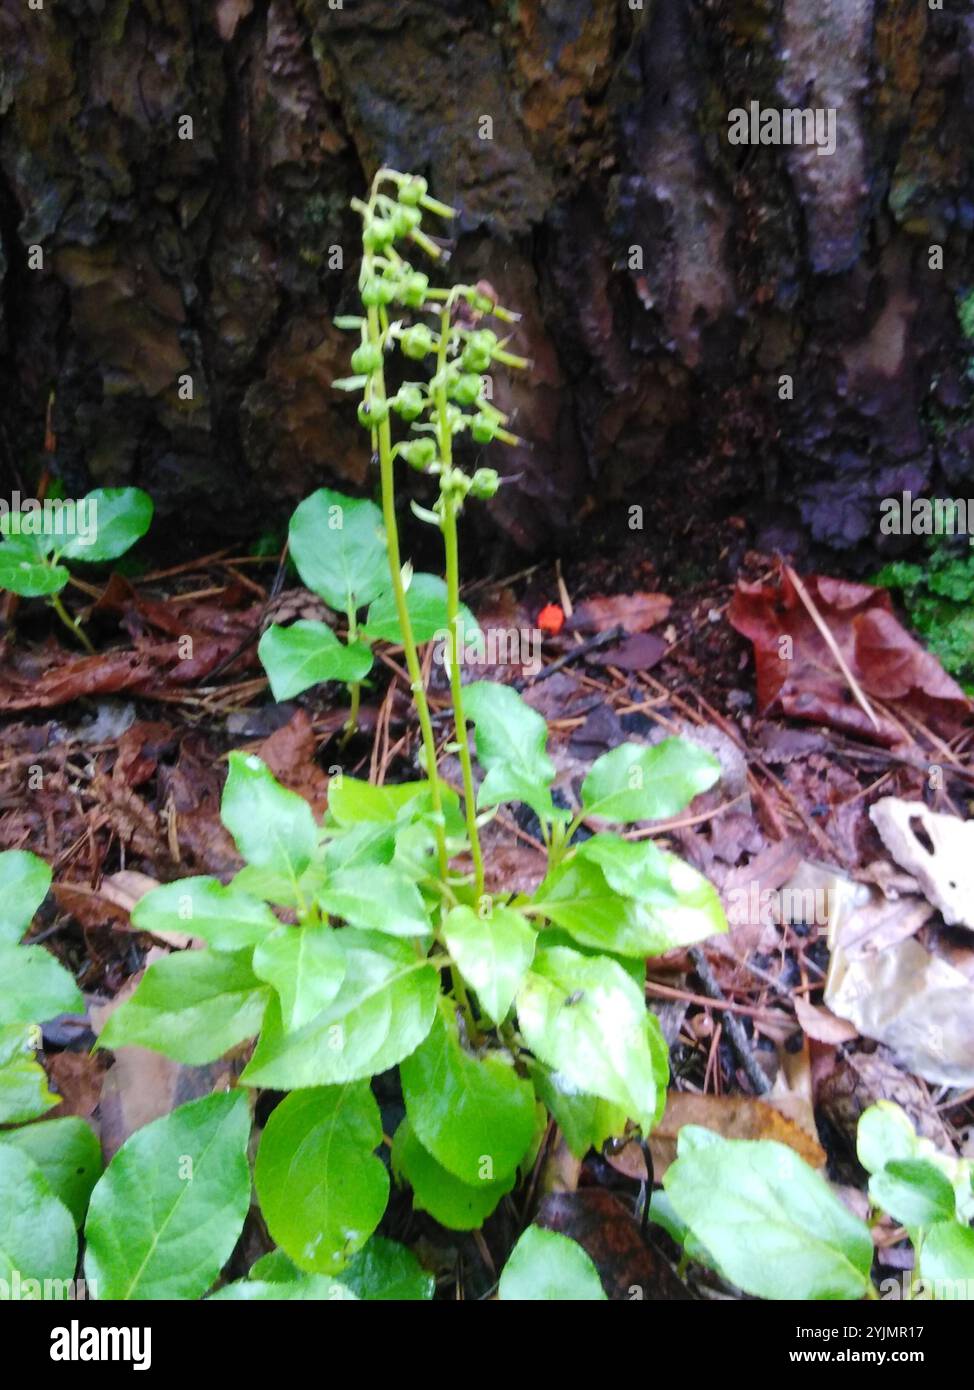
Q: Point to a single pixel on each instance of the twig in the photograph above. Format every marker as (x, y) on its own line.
(833, 646)
(601, 639)
(735, 1030)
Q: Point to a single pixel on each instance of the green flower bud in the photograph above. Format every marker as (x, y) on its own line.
(378, 234)
(474, 358)
(404, 219)
(467, 388)
(483, 428)
(412, 190)
(417, 342)
(376, 291)
(367, 359)
(418, 453)
(372, 413)
(484, 483)
(408, 402)
(412, 290)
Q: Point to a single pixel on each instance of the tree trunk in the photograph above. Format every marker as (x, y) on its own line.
(715, 327)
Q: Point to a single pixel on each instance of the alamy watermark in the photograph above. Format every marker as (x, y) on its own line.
(771, 906)
(766, 125)
(53, 517)
(498, 646)
(18, 1289)
(924, 516)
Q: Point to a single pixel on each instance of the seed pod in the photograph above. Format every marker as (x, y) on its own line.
(378, 234)
(376, 291)
(484, 483)
(367, 359)
(418, 453)
(408, 402)
(412, 290)
(417, 342)
(372, 413)
(404, 219)
(466, 388)
(412, 190)
(483, 428)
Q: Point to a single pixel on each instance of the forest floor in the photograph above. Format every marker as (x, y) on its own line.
(112, 765)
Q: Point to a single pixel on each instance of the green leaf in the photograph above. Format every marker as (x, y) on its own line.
(385, 1270)
(24, 881)
(383, 1011)
(635, 868)
(36, 987)
(338, 544)
(32, 529)
(68, 1153)
(280, 888)
(914, 1192)
(307, 653)
(168, 1210)
(510, 742)
(273, 828)
(426, 604)
(306, 965)
(309, 1287)
(772, 1224)
(884, 1133)
(457, 1205)
(350, 800)
(360, 846)
(947, 1259)
(378, 898)
(24, 571)
(226, 918)
(578, 896)
(547, 1266)
(120, 516)
(37, 1235)
(586, 1121)
(276, 1268)
(193, 1006)
(23, 1082)
(322, 1190)
(493, 954)
(586, 1019)
(638, 782)
(475, 1115)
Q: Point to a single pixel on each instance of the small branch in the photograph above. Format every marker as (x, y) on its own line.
(735, 1031)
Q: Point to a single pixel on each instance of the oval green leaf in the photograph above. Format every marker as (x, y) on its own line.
(308, 653)
(382, 1011)
(322, 1190)
(338, 545)
(475, 1115)
(169, 1208)
(37, 1234)
(193, 1006)
(641, 782)
(547, 1266)
(119, 516)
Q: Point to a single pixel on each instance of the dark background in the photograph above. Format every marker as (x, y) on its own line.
(656, 386)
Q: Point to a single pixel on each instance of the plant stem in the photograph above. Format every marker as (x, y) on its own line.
(355, 689)
(405, 626)
(448, 525)
(71, 623)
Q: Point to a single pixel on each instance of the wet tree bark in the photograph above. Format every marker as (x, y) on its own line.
(716, 329)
